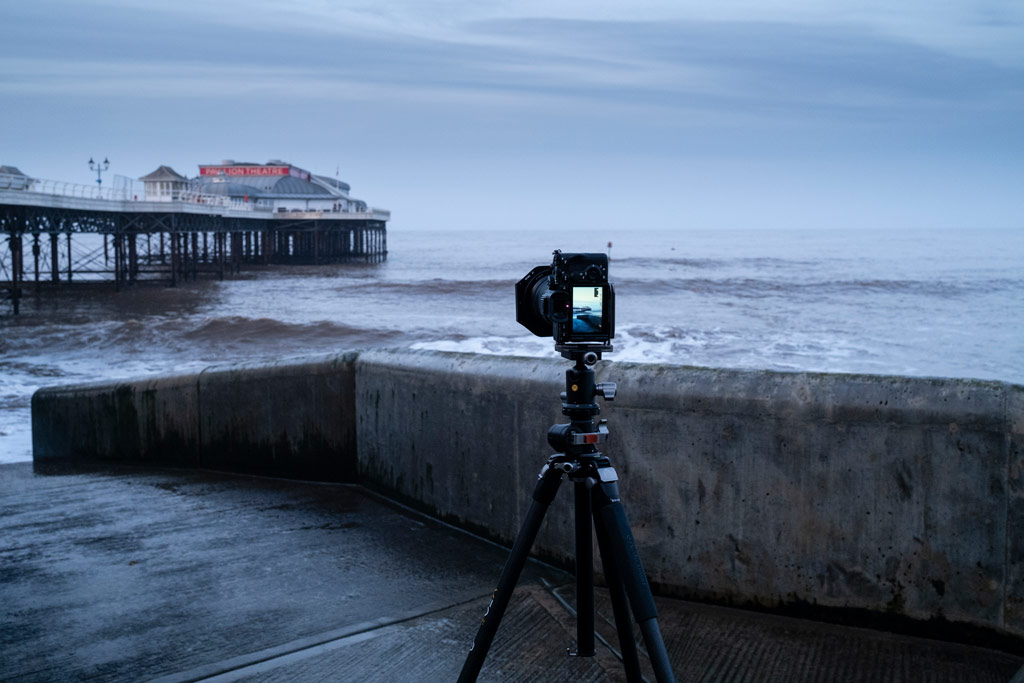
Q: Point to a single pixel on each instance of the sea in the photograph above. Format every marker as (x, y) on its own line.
(887, 302)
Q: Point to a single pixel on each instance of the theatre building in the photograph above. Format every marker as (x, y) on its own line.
(306, 217)
(277, 185)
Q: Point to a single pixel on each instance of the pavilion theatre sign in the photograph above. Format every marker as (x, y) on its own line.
(249, 171)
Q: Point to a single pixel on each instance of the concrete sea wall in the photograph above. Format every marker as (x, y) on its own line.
(295, 418)
(887, 494)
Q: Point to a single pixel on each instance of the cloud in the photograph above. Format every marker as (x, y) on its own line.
(981, 29)
(686, 69)
(457, 92)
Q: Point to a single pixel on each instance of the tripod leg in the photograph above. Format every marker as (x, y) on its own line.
(584, 571)
(543, 494)
(620, 608)
(623, 547)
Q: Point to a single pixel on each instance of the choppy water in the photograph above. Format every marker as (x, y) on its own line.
(911, 303)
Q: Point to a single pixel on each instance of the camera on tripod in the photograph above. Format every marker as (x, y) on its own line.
(570, 300)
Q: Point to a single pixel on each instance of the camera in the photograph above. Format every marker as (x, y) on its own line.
(570, 300)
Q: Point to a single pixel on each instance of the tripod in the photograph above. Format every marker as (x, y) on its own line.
(597, 499)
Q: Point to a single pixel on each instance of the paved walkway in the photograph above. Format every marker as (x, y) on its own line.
(185, 576)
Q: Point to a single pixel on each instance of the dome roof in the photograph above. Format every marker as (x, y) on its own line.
(334, 182)
(292, 185)
(266, 186)
(227, 189)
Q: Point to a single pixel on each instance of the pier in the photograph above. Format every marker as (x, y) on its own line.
(52, 231)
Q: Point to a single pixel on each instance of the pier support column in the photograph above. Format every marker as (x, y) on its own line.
(14, 241)
(220, 244)
(236, 252)
(35, 256)
(182, 240)
(133, 257)
(54, 258)
(118, 272)
(70, 262)
(173, 238)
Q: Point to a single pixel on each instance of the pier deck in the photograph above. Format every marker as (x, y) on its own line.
(134, 574)
(131, 240)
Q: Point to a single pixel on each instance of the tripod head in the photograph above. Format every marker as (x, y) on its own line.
(579, 403)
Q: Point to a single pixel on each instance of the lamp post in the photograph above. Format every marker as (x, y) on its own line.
(99, 168)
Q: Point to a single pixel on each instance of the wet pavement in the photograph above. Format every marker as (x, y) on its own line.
(187, 576)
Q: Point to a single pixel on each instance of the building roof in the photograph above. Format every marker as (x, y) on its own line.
(333, 182)
(292, 185)
(229, 189)
(12, 170)
(267, 186)
(164, 173)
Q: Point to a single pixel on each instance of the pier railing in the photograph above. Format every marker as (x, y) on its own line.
(191, 197)
(62, 188)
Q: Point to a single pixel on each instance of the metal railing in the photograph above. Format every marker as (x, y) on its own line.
(61, 188)
(346, 214)
(192, 197)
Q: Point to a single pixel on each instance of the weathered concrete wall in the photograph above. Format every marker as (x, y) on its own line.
(150, 421)
(880, 493)
(463, 435)
(291, 419)
(294, 418)
(1014, 615)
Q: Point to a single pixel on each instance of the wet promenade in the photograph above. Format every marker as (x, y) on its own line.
(132, 575)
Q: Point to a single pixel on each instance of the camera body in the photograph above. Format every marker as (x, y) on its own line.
(570, 300)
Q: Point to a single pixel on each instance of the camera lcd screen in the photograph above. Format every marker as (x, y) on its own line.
(587, 310)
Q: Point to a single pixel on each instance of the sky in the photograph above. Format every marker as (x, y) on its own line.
(550, 115)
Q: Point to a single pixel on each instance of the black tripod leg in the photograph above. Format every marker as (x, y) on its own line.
(584, 571)
(543, 494)
(623, 547)
(620, 608)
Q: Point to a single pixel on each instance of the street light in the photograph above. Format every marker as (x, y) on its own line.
(99, 168)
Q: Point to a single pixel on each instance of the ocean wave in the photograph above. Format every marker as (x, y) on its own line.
(771, 287)
(431, 287)
(267, 331)
(661, 263)
(743, 287)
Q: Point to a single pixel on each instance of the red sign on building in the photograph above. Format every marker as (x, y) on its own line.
(244, 170)
(251, 171)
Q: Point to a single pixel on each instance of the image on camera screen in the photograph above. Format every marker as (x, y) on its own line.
(586, 309)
